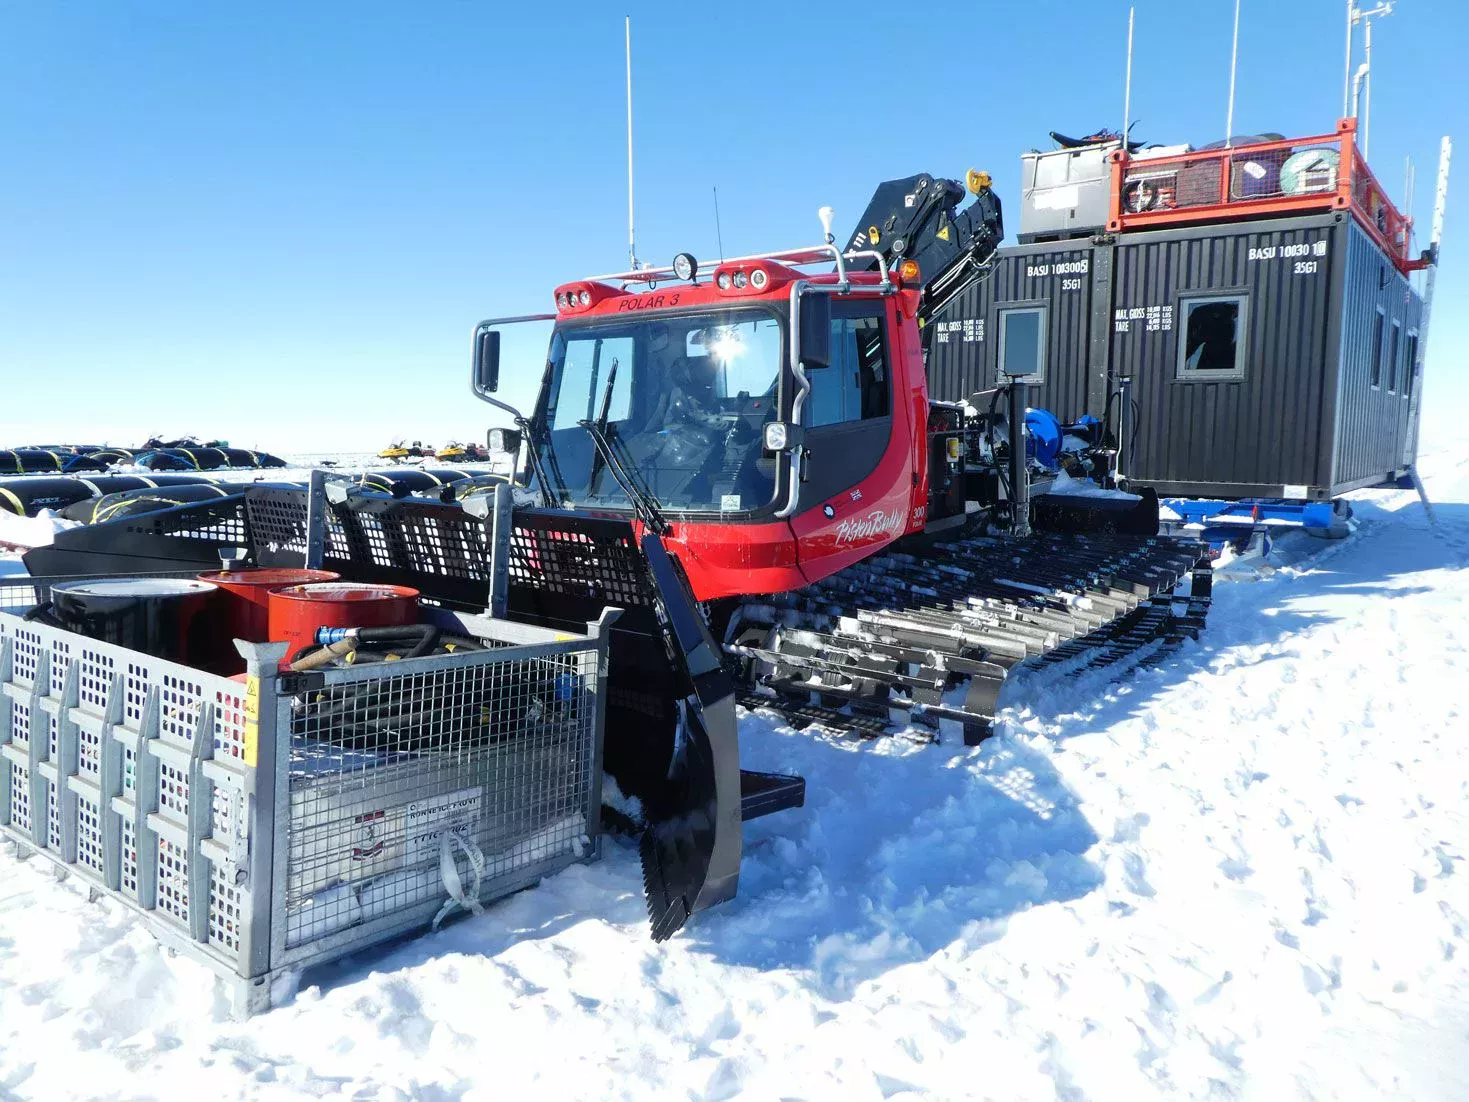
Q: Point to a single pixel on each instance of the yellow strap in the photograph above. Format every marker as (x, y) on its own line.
(192, 458)
(148, 482)
(15, 501)
(91, 486)
(99, 517)
(437, 481)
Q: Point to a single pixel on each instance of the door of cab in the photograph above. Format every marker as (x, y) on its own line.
(859, 486)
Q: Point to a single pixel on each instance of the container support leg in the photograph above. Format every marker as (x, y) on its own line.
(1422, 495)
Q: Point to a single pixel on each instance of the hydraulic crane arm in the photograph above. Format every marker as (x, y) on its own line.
(918, 218)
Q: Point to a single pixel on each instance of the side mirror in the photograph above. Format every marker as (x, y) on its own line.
(503, 441)
(487, 361)
(815, 339)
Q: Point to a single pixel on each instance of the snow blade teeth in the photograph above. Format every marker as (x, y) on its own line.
(662, 865)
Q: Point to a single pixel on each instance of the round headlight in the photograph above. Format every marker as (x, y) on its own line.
(723, 281)
(685, 266)
(560, 299)
(740, 279)
(584, 297)
(758, 279)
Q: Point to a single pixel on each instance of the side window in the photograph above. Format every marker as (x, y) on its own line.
(1410, 374)
(1377, 328)
(585, 370)
(1213, 344)
(855, 387)
(1392, 359)
(1022, 350)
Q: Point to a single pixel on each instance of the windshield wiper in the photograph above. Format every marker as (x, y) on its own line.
(552, 500)
(537, 433)
(642, 500)
(602, 416)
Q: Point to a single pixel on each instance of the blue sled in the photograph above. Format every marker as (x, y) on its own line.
(1239, 522)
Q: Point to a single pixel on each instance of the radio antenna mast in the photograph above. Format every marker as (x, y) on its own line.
(718, 231)
(1233, 65)
(1127, 85)
(1364, 71)
(632, 249)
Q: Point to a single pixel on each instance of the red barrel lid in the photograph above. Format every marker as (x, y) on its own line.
(269, 576)
(346, 591)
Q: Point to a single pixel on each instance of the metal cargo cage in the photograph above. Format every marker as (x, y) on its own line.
(1065, 192)
(275, 820)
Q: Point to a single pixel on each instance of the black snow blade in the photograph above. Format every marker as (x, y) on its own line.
(691, 847)
(672, 740)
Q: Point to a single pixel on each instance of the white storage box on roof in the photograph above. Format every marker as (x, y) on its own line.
(1064, 192)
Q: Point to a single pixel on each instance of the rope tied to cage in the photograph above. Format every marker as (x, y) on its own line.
(449, 874)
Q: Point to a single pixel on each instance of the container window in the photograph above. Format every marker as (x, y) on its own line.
(1023, 343)
(1377, 328)
(1392, 359)
(1214, 338)
(1410, 376)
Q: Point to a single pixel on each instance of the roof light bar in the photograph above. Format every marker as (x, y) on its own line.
(811, 254)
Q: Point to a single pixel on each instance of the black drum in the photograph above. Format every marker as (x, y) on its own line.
(157, 616)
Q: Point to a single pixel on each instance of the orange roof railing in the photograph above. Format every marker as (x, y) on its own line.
(1326, 172)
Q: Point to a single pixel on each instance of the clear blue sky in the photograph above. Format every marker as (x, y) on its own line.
(276, 222)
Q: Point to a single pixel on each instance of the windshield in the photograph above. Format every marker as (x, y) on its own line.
(684, 399)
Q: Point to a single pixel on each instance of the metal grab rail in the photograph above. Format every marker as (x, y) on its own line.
(809, 254)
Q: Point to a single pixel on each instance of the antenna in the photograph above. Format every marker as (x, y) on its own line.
(1364, 71)
(1409, 179)
(1233, 65)
(1127, 85)
(632, 249)
(1410, 183)
(718, 232)
(1346, 77)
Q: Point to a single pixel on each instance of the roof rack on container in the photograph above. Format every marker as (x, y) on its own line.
(1324, 172)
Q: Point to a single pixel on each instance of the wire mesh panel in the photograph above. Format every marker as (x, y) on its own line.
(280, 819)
(421, 787)
(437, 548)
(103, 774)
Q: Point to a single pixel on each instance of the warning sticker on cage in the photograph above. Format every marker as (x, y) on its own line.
(426, 821)
(729, 503)
(251, 733)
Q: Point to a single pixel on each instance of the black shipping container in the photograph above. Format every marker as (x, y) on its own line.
(1270, 358)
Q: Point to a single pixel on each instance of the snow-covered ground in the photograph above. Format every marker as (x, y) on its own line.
(1238, 873)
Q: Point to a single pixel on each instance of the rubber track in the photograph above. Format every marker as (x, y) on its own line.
(912, 639)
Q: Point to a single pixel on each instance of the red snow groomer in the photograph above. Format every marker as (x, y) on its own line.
(758, 436)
